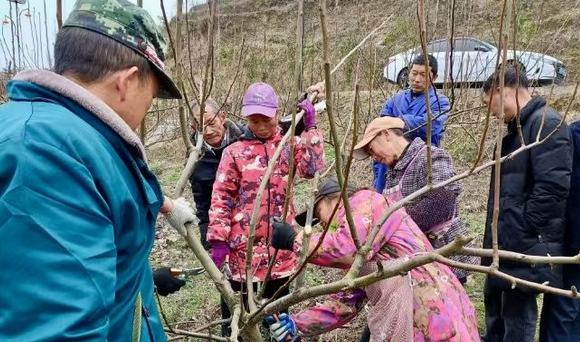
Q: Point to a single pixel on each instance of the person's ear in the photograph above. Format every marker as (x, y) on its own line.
(125, 80)
(222, 115)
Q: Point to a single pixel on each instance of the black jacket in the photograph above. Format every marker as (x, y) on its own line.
(203, 176)
(573, 224)
(534, 188)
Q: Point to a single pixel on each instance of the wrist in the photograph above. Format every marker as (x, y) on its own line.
(167, 206)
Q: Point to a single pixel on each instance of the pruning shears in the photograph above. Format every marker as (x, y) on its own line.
(183, 273)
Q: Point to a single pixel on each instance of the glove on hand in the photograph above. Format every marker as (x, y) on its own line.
(309, 117)
(284, 329)
(283, 236)
(181, 214)
(165, 282)
(219, 251)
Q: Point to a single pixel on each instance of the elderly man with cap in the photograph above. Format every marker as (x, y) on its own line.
(436, 212)
(78, 202)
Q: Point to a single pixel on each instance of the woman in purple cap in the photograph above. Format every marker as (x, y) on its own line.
(241, 170)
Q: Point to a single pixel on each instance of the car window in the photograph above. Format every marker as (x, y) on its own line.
(438, 46)
(463, 44)
(460, 45)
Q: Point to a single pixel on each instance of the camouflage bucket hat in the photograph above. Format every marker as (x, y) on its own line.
(131, 26)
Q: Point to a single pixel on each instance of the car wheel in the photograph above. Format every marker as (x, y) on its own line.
(403, 78)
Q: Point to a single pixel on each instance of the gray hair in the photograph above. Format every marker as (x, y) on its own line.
(209, 104)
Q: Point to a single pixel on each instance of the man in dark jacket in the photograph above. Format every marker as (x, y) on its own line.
(218, 133)
(561, 317)
(534, 188)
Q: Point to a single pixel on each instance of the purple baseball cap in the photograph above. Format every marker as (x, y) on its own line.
(260, 98)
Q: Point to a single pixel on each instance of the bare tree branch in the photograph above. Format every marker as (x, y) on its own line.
(199, 335)
(499, 139)
(428, 81)
(531, 259)
(333, 133)
(515, 281)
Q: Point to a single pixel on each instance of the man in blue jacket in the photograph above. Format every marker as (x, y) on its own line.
(411, 106)
(78, 202)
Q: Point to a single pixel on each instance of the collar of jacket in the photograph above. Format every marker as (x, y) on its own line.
(409, 94)
(535, 104)
(231, 134)
(67, 88)
(411, 151)
(247, 134)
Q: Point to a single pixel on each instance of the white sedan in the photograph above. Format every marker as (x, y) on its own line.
(474, 61)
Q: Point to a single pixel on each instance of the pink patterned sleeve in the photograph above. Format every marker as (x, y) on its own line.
(225, 192)
(335, 312)
(309, 155)
(338, 249)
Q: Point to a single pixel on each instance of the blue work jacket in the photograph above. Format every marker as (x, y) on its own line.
(412, 108)
(77, 214)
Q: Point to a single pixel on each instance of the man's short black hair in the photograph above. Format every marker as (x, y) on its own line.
(514, 77)
(420, 60)
(91, 56)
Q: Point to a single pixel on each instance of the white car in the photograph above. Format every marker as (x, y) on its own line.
(474, 61)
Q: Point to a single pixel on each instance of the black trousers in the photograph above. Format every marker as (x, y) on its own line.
(560, 321)
(269, 291)
(510, 314)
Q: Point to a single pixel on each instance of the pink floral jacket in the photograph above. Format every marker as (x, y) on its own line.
(441, 308)
(239, 175)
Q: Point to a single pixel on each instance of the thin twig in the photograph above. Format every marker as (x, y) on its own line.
(515, 281)
(333, 132)
(514, 256)
(199, 335)
(298, 64)
(423, 37)
(307, 231)
(361, 43)
(498, 146)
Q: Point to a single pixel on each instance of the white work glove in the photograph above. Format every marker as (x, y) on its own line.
(182, 214)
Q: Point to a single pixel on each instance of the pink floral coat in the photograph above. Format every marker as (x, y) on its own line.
(239, 175)
(441, 308)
